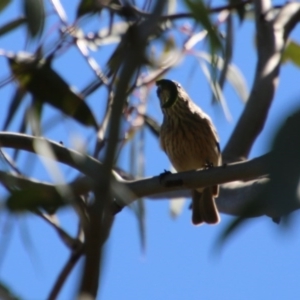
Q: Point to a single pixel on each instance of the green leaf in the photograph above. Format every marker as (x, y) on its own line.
(6, 293)
(4, 3)
(229, 231)
(33, 198)
(292, 53)
(12, 25)
(86, 7)
(240, 9)
(280, 195)
(284, 167)
(35, 14)
(38, 78)
(216, 89)
(91, 6)
(233, 75)
(14, 105)
(34, 116)
(201, 14)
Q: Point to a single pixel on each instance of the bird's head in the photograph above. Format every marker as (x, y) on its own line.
(167, 92)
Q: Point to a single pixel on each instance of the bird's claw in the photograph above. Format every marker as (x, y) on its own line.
(208, 165)
(163, 175)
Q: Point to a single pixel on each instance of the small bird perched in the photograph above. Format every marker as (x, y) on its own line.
(190, 140)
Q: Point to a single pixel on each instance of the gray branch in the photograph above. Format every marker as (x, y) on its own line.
(158, 187)
(272, 33)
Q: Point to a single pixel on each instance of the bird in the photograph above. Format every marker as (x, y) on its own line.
(190, 140)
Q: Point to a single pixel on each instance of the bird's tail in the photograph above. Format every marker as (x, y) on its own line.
(204, 206)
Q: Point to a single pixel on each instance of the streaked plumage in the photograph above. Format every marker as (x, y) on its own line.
(190, 140)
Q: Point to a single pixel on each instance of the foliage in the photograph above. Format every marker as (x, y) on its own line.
(135, 46)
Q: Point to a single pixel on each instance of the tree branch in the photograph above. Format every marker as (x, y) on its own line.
(81, 162)
(272, 33)
(240, 184)
(144, 14)
(169, 185)
(65, 272)
(100, 214)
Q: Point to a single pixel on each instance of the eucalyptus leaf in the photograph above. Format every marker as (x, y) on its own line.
(284, 167)
(13, 107)
(92, 6)
(37, 77)
(240, 9)
(233, 75)
(4, 4)
(216, 90)
(6, 293)
(292, 53)
(12, 25)
(33, 198)
(281, 194)
(35, 14)
(201, 15)
(86, 7)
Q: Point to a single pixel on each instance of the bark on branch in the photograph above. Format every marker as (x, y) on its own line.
(169, 185)
(272, 33)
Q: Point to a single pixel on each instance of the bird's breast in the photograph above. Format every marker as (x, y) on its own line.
(189, 146)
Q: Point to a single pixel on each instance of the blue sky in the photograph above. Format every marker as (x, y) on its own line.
(180, 262)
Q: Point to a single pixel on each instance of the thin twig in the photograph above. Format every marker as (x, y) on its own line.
(65, 272)
(129, 191)
(81, 162)
(65, 237)
(101, 217)
(144, 14)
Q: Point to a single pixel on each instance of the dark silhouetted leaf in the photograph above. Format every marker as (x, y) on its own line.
(12, 25)
(86, 7)
(35, 14)
(34, 198)
(137, 168)
(37, 77)
(91, 6)
(14, 105)
(216, 89)
(229, 231)
(228, 49)
(22, 129)
(200, 14)
(292, 53)
(140, 214)
(117, 57)
(280, 196)
(283, 189)
(34, 116)
(246, 214)
(6, 293)
(4, 3)
(233, 75)
(240, 9)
